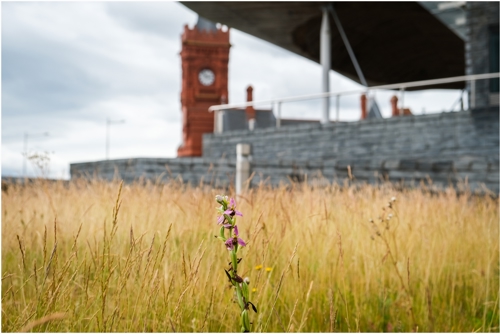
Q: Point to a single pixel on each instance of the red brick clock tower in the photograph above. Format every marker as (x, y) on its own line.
(205, 56)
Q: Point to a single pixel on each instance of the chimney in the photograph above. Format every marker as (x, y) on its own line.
(250, 111)
(363, 106)
(394, 106)
(223, 99)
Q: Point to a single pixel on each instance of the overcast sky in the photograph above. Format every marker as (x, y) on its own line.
(68, 66)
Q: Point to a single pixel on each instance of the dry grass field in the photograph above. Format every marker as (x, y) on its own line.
(79, 257)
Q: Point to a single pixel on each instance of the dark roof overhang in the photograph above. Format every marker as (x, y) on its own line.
(394, 42)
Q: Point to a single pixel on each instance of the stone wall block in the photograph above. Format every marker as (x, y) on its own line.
(424, 166)
(442, 166)
(329, 164)
(492, 177)
(343, 164)
(397, 175)
(408, 164)
(470, 176)
(391, 164)
(493, 166)
(364, 174)
(479, 165)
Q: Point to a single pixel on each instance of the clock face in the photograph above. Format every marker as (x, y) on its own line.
(206, 77)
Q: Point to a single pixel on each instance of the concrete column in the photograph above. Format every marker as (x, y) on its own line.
(219, 121)
(325, 59)
(242, 166)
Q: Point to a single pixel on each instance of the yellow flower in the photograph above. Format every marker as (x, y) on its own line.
(268, 269)
(259, 267)
(254, 289)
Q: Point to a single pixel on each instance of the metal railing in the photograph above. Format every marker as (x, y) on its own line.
(400, 86)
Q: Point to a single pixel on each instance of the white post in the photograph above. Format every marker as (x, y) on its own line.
(242, 166)
(251, 124)
(325, 59)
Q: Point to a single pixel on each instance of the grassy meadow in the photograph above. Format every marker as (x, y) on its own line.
(89, 257)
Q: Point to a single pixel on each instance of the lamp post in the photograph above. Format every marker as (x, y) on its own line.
(108, 123)
(25, 148)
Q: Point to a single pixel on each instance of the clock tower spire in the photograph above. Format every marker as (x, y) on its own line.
(205, 57)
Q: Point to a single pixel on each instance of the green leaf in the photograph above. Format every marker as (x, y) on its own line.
(222, 233)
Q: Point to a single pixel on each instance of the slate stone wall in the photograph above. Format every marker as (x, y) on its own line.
(215, 172)
(447, 148)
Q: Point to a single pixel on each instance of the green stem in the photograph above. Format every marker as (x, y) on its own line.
(245, 323)
(234, 260)
(239, 295)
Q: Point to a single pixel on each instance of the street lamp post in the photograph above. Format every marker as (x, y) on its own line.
(25, 148)
(108, 123)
